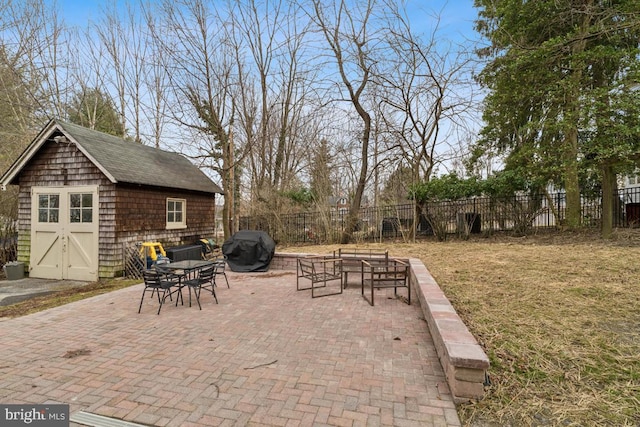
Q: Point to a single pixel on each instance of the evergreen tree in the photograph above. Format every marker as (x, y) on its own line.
(559, 69)
(397, 187)
(95, 110)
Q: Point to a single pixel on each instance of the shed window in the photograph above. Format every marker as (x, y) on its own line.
(81, 208)
(48, 207)
(176, 213)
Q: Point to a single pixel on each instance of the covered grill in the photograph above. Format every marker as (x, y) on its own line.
(249, 250)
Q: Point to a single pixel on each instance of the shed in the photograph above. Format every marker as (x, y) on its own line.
(85, 195)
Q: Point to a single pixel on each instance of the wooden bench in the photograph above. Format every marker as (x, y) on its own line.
(319, 270)
(379, 274)
(352, 260)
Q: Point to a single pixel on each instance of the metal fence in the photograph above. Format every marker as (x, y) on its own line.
(520, 214)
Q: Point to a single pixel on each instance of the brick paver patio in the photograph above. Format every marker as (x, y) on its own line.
(266, 355)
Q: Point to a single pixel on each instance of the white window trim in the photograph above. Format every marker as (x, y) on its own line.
(176, 225)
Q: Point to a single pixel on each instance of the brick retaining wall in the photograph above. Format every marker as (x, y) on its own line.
(464, 362)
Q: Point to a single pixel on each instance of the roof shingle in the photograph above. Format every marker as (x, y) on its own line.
(129, 162)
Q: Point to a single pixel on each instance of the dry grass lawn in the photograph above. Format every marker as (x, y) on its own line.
(559, 317)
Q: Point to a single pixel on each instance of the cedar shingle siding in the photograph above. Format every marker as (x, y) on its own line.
(46, 169)
(140, 215)
(143, 209)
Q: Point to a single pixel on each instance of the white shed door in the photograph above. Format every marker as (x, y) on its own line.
(64, 233)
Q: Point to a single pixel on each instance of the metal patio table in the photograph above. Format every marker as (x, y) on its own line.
(184, 270)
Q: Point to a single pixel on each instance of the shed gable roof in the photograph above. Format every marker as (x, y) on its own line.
(121, 161)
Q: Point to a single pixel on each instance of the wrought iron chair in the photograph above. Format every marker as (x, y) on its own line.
(220, 266)
(204, 280)
(320, 271)
(381, 274)
(156, 282)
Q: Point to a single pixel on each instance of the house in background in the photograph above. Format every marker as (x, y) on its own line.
(338, 204)
(85, 195)
(631, 187)
(630, 197)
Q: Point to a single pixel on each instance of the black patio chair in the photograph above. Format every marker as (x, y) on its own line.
(156, 282)
(220, 266)
(204, 280)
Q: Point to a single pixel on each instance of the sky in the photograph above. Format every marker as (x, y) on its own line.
(456, 16)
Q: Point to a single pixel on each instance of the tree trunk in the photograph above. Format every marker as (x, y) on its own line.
(354, 210)
(570, 158)
(573, 212)
(228, 183)
(608, 190)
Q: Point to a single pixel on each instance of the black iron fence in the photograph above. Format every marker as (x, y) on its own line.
(521, 214)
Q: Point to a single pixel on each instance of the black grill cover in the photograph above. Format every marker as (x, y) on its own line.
(249, 250)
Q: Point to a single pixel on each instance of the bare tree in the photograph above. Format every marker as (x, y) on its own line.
(269, 41)
(156, 81)
(348, 33)
(121, 34)
(253, 36)
(426, 86)
(199, 62)
(36, 34)
(294, 123)
(18, 118)
(88, 66)
(17, 107)
(31, 89)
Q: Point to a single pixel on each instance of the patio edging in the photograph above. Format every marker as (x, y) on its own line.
(463, 360)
